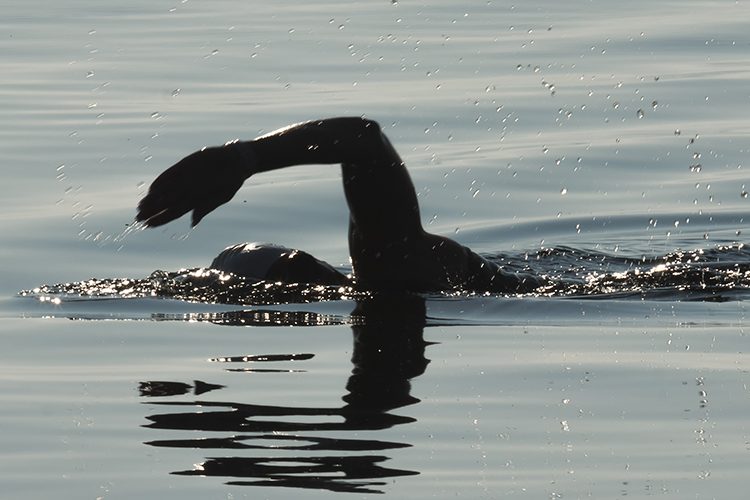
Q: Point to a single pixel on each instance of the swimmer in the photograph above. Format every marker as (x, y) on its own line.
(389, 249)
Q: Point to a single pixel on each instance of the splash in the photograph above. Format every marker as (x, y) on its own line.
(715, 274)
(195, 285)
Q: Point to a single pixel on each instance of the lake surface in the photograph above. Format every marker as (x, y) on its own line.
(600, 144)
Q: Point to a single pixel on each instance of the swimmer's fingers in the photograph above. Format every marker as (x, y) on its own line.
(153, 211)
(167, 198)
(210, 204)
(199, 182)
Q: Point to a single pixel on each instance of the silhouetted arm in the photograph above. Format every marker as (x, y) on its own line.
(346, 140)
(209, 178)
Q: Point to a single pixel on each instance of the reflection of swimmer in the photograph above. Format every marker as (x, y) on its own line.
(309, 446)
(389, 249)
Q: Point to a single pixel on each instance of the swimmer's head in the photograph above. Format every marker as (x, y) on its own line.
(269, 262)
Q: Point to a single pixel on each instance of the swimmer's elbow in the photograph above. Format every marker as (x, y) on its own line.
(370, 125)
(363, 127)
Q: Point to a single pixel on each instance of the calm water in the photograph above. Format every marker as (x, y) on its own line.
(599, 143)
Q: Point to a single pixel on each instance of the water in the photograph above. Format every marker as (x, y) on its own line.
(592, 142)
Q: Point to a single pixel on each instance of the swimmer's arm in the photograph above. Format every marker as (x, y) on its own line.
(206, 179)
(334, 140)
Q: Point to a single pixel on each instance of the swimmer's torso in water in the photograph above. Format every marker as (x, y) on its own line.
(276, 263)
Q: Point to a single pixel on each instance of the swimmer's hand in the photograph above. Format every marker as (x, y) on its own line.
(199, 182)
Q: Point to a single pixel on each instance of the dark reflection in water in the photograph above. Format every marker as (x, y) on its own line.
(388, 353)
(161, 389)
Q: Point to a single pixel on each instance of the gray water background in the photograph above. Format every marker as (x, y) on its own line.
(599, 125)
